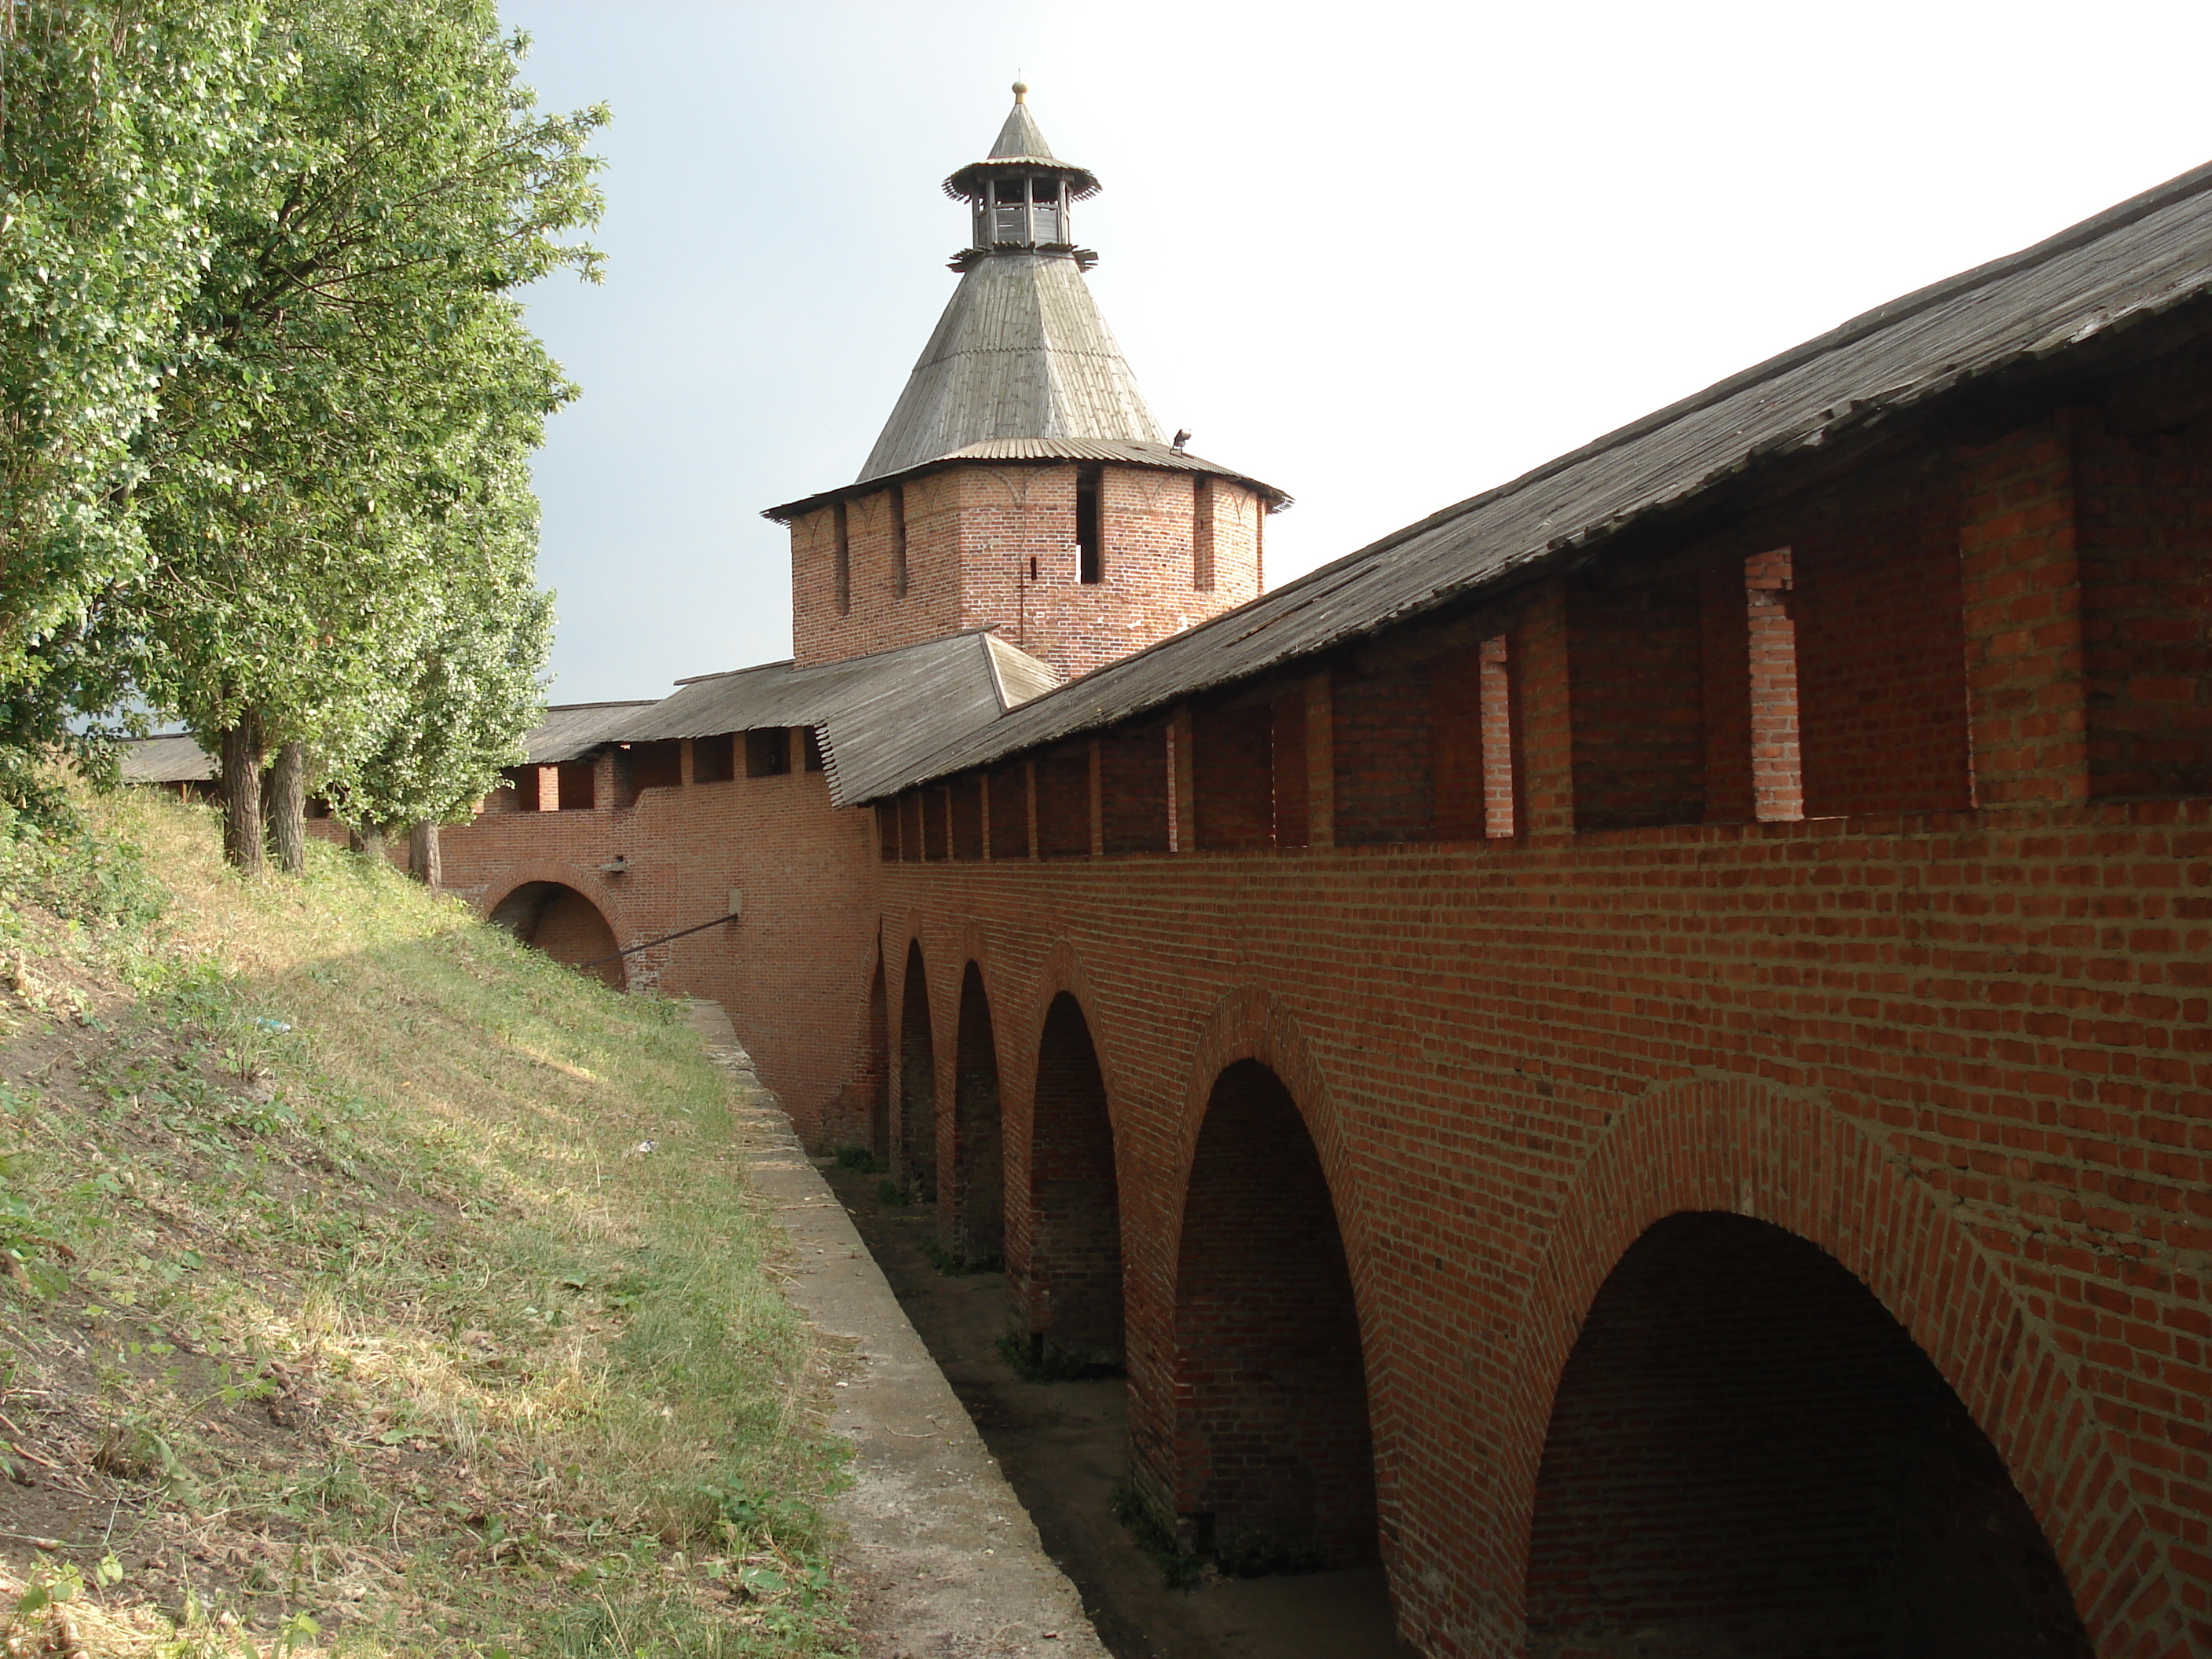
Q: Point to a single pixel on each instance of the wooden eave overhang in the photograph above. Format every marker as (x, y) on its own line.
(1036, 452)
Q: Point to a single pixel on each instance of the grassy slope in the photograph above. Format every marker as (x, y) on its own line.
(380, 1334)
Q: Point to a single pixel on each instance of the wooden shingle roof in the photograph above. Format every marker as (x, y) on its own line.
(1020, 352)
(2018, 315)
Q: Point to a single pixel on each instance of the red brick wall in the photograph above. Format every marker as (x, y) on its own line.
(1636, 674)
(879, 616)
(972, 534)
(2146, 544)
(792, 971)
(1963, 1053)
(1881, 651)
(1945, 1071)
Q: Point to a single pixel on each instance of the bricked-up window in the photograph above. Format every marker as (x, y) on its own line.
(1233, 777)
(844, 559)
(967, 800)
(887, 829)
(810, 748)
(1282, 1471)
(714, 760)
(768, 751)
(897, 494)
(1074, 1294)
(1385, 754)
(517, 791)
(655, 765)
(1472, 693)
(1293, 781)
(1881, 659)
(1063, 789)
(1132, 784)
(1636, 665)
(1010, 811)
(1201, 534)
(578, 787)
(1745, 1449)
(1090, 527)
(935, 844)
(916, 1161)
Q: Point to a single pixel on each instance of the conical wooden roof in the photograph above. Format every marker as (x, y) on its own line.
(1020, 352)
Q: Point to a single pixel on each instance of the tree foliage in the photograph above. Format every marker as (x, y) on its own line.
(319, 526)
(116, 120)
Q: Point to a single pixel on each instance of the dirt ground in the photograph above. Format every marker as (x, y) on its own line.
(1064, 1447)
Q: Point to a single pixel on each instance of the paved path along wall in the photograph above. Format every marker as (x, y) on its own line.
(944, 1561)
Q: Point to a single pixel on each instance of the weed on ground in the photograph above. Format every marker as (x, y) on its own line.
(372, 1285)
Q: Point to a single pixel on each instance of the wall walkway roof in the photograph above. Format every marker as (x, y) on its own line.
(877, 716)
(2140, 259)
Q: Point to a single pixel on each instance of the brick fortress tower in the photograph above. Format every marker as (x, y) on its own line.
(1021, 485)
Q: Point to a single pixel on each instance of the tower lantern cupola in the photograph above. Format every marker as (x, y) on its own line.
(1020, 196)
(1021, 486)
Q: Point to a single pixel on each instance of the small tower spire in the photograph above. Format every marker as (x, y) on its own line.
(1019, 196)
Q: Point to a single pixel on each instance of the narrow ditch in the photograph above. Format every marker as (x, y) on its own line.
(1064, 1447)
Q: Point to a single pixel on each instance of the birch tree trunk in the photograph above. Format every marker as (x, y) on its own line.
(287, 807)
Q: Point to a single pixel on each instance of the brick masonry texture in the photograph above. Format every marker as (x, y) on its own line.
(1753, 994)
(1962, 1050)
(975, 533)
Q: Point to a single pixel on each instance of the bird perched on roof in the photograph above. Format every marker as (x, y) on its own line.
(1182, 437)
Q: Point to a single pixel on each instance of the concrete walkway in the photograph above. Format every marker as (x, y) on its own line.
(942, 1559)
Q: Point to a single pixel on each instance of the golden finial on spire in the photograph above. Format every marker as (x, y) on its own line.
(1021, 91)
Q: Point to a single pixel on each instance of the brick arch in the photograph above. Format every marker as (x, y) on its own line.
(1251, 1022)
(573, 939)
(1064, 972)
(971, 1136)
(1082, 1330)
(1796, 1163)
(914, 1064)
(1264, 1456)
(585, 880)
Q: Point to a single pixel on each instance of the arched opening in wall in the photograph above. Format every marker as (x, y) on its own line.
(1071, 1288)
(917, 1149)
(563, 924)
(1749, 1457)
(976, 1227)
(1275, 1455)
(875, 1069)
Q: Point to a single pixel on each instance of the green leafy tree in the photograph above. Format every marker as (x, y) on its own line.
(367, 379)
(454, 713)
(116, 121)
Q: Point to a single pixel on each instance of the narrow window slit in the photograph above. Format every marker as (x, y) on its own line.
(1089, 555)
(844, 561)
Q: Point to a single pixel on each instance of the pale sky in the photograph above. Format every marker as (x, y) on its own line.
(1382, 256)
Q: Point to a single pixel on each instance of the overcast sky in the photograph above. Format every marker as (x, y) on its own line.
(1383, 256)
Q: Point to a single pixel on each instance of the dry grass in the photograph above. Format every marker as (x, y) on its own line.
(345, 1310)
